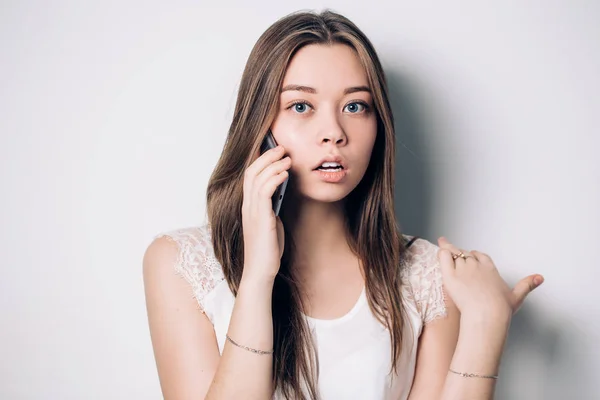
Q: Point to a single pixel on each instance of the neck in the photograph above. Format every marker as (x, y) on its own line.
(319, 233)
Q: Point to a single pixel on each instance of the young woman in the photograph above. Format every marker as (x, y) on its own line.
(329, 300)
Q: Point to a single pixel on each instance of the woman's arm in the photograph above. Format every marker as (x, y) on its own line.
(183, 339)
(184, 342)
(436, 347)
(479, 350)
(471, 341)
(243, 374)
(463, 346)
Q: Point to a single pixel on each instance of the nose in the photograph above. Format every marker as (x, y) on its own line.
(333, 133)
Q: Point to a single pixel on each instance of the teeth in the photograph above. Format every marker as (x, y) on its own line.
(330, 165)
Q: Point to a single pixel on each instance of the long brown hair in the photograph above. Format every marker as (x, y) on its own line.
(373, 233)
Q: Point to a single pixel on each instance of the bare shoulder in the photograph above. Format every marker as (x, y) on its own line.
(183, 338)
(160, 256)
(195, 261)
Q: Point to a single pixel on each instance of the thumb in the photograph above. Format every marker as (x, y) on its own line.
(524, 287)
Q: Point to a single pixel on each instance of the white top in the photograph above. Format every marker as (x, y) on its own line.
(354, 350)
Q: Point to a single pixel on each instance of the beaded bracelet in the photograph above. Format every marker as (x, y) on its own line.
(248, 348)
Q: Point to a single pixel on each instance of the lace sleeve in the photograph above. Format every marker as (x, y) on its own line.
(196, 262)
(423, 276)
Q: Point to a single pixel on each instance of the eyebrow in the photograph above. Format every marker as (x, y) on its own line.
(308, 89)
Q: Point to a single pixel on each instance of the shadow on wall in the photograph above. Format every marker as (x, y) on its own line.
(413, 175)
(542, 360)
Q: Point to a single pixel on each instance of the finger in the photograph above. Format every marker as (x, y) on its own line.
(253, 172)
(524, 287)
(267, 181)
(444, 243)
(266, 191)
(272, 170)
(261, 201)
(267, 158)
(482, 257)
(446, 263)
(263, 161)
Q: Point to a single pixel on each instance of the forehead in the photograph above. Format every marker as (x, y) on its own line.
(326, 68)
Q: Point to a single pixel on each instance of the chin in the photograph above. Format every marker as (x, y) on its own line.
(331, 194)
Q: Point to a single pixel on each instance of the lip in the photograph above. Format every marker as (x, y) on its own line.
(331, 177)
(336, 159)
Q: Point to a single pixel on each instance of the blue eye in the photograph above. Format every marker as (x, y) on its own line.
(354, 108)
(300, 107)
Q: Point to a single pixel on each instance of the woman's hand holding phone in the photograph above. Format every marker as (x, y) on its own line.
(263, 231)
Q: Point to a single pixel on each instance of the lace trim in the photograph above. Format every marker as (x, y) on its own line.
(196, 261)
(422, 278)
(421, 273)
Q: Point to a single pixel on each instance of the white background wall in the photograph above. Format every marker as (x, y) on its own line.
(112, 116)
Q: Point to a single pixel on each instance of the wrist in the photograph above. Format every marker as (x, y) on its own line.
(257, 282)
(255, 292)
(487, 319)
(484, 333)
(480, 346)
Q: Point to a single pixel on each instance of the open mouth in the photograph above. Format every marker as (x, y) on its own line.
(330, 167)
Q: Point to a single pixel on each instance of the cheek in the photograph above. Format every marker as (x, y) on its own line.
(365, 145)
(290, 143)
(298, 153)
(369, 145)
(294, 143)
(284, 134)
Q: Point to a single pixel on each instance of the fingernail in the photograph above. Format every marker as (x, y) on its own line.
(538, 280)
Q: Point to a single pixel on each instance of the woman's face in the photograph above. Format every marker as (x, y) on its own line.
(326, 115)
